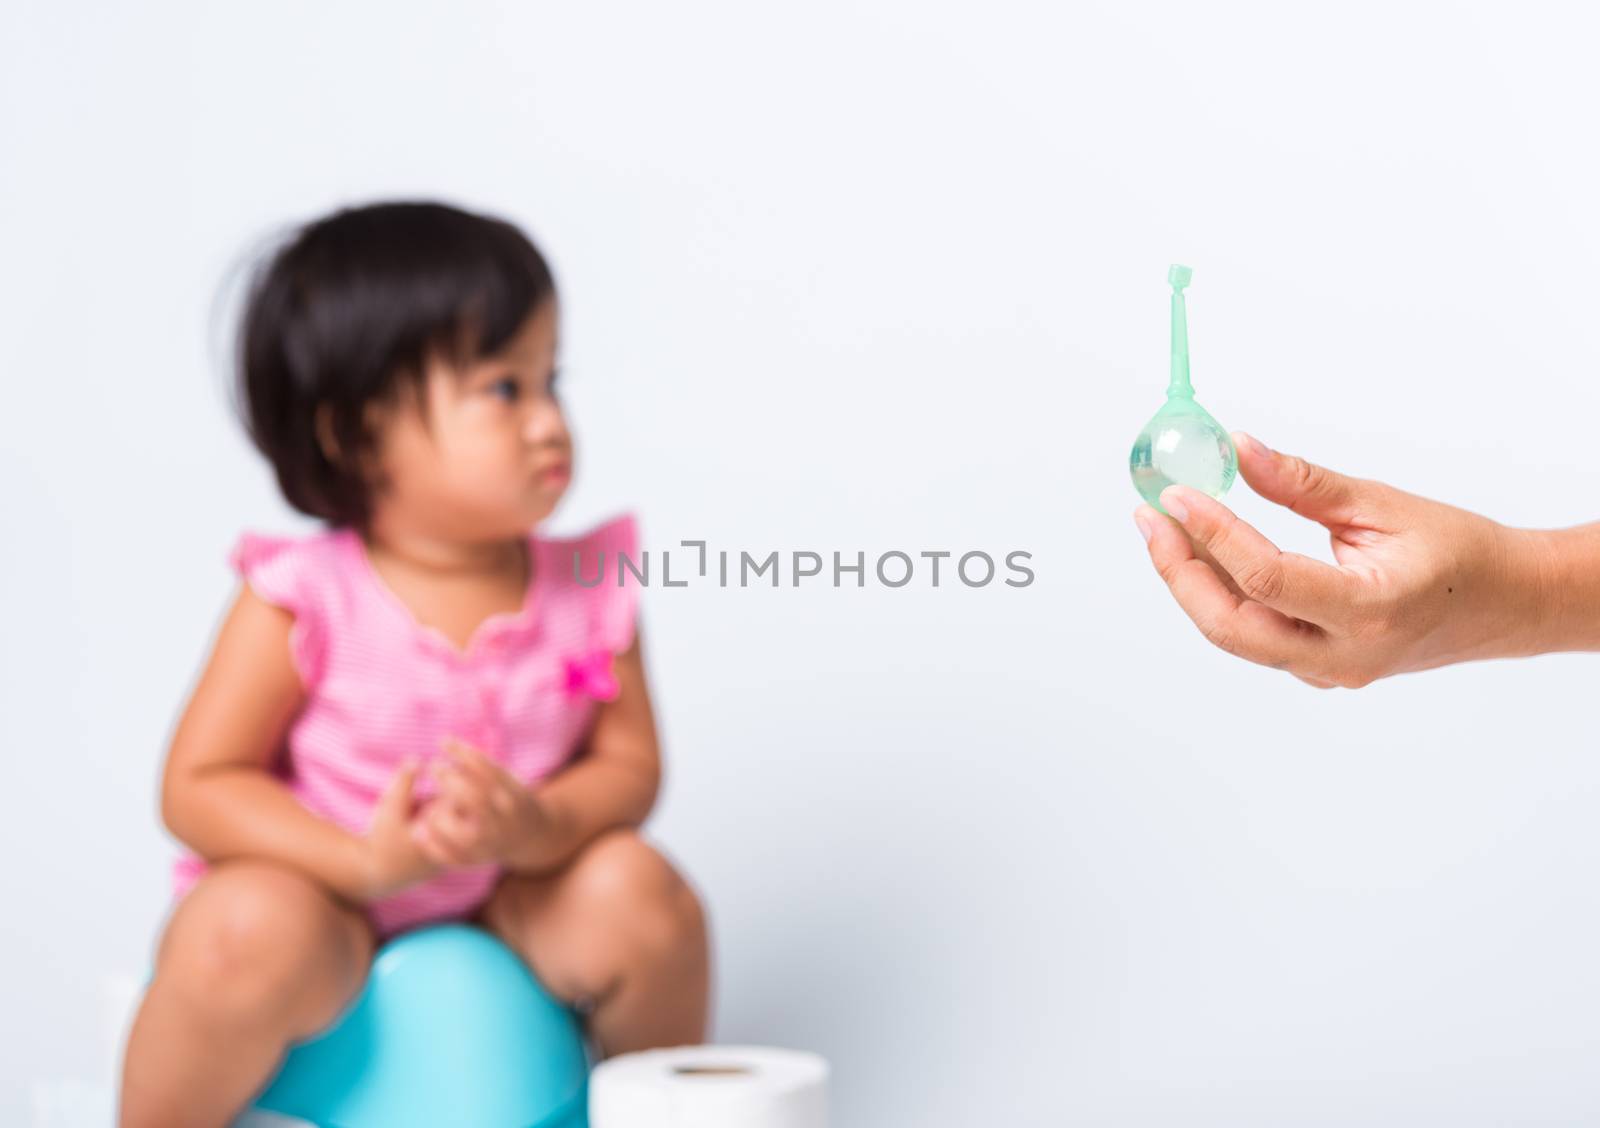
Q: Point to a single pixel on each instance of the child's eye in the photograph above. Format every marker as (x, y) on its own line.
(508, 387)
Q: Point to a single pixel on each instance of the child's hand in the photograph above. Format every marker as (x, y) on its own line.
(482, 812)
(391, 858)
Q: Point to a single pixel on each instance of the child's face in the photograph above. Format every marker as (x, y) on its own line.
(493, 455)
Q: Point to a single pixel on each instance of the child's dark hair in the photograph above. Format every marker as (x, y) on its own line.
(348, 311)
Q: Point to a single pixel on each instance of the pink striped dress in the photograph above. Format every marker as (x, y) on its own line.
(381, 686)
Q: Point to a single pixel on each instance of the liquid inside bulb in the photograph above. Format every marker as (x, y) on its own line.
(1182, 444)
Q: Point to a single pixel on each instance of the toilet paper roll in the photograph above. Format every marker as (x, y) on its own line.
(710, 1087)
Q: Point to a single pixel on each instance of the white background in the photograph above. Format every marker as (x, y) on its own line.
(864, 278)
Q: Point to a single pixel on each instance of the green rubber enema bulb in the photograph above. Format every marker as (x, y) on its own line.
(1182, 444)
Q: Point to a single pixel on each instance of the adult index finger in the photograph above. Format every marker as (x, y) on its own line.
(1296, 585)
(1242, 627)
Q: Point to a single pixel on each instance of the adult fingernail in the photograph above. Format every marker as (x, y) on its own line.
(1144, 527)
(1174, 505)
(1252, 444)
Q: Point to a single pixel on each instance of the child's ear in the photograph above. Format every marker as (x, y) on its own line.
(323, 425)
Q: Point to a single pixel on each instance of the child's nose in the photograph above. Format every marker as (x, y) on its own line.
(542, 423)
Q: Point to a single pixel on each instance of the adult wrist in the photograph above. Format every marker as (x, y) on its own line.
(1562, 567)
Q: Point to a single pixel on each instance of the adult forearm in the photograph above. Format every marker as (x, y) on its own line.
(241, 812)
(1563, 569)
(588, 797)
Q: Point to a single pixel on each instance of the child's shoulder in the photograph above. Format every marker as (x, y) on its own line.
(587, 568)
(302, 573)
(253, 549)
(293, 568)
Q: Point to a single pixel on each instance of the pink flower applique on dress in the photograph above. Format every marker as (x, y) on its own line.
(591, 673)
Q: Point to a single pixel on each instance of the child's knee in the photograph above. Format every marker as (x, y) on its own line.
(628, 877)
(253, 938)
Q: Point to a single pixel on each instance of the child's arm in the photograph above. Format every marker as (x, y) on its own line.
(218, 797)
(613, 782)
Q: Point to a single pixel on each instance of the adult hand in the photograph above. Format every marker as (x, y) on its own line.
(1418, 583)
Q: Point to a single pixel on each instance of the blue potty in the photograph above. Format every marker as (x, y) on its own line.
(450, 1029)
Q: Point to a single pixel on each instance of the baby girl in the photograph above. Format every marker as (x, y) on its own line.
(425, 710)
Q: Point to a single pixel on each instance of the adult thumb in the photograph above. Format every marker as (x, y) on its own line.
(1313, 491)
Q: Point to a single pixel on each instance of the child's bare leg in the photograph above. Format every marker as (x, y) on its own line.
(255, 956)
(620, 928)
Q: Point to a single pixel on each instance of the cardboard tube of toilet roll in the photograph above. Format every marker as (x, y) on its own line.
(710, 1087)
